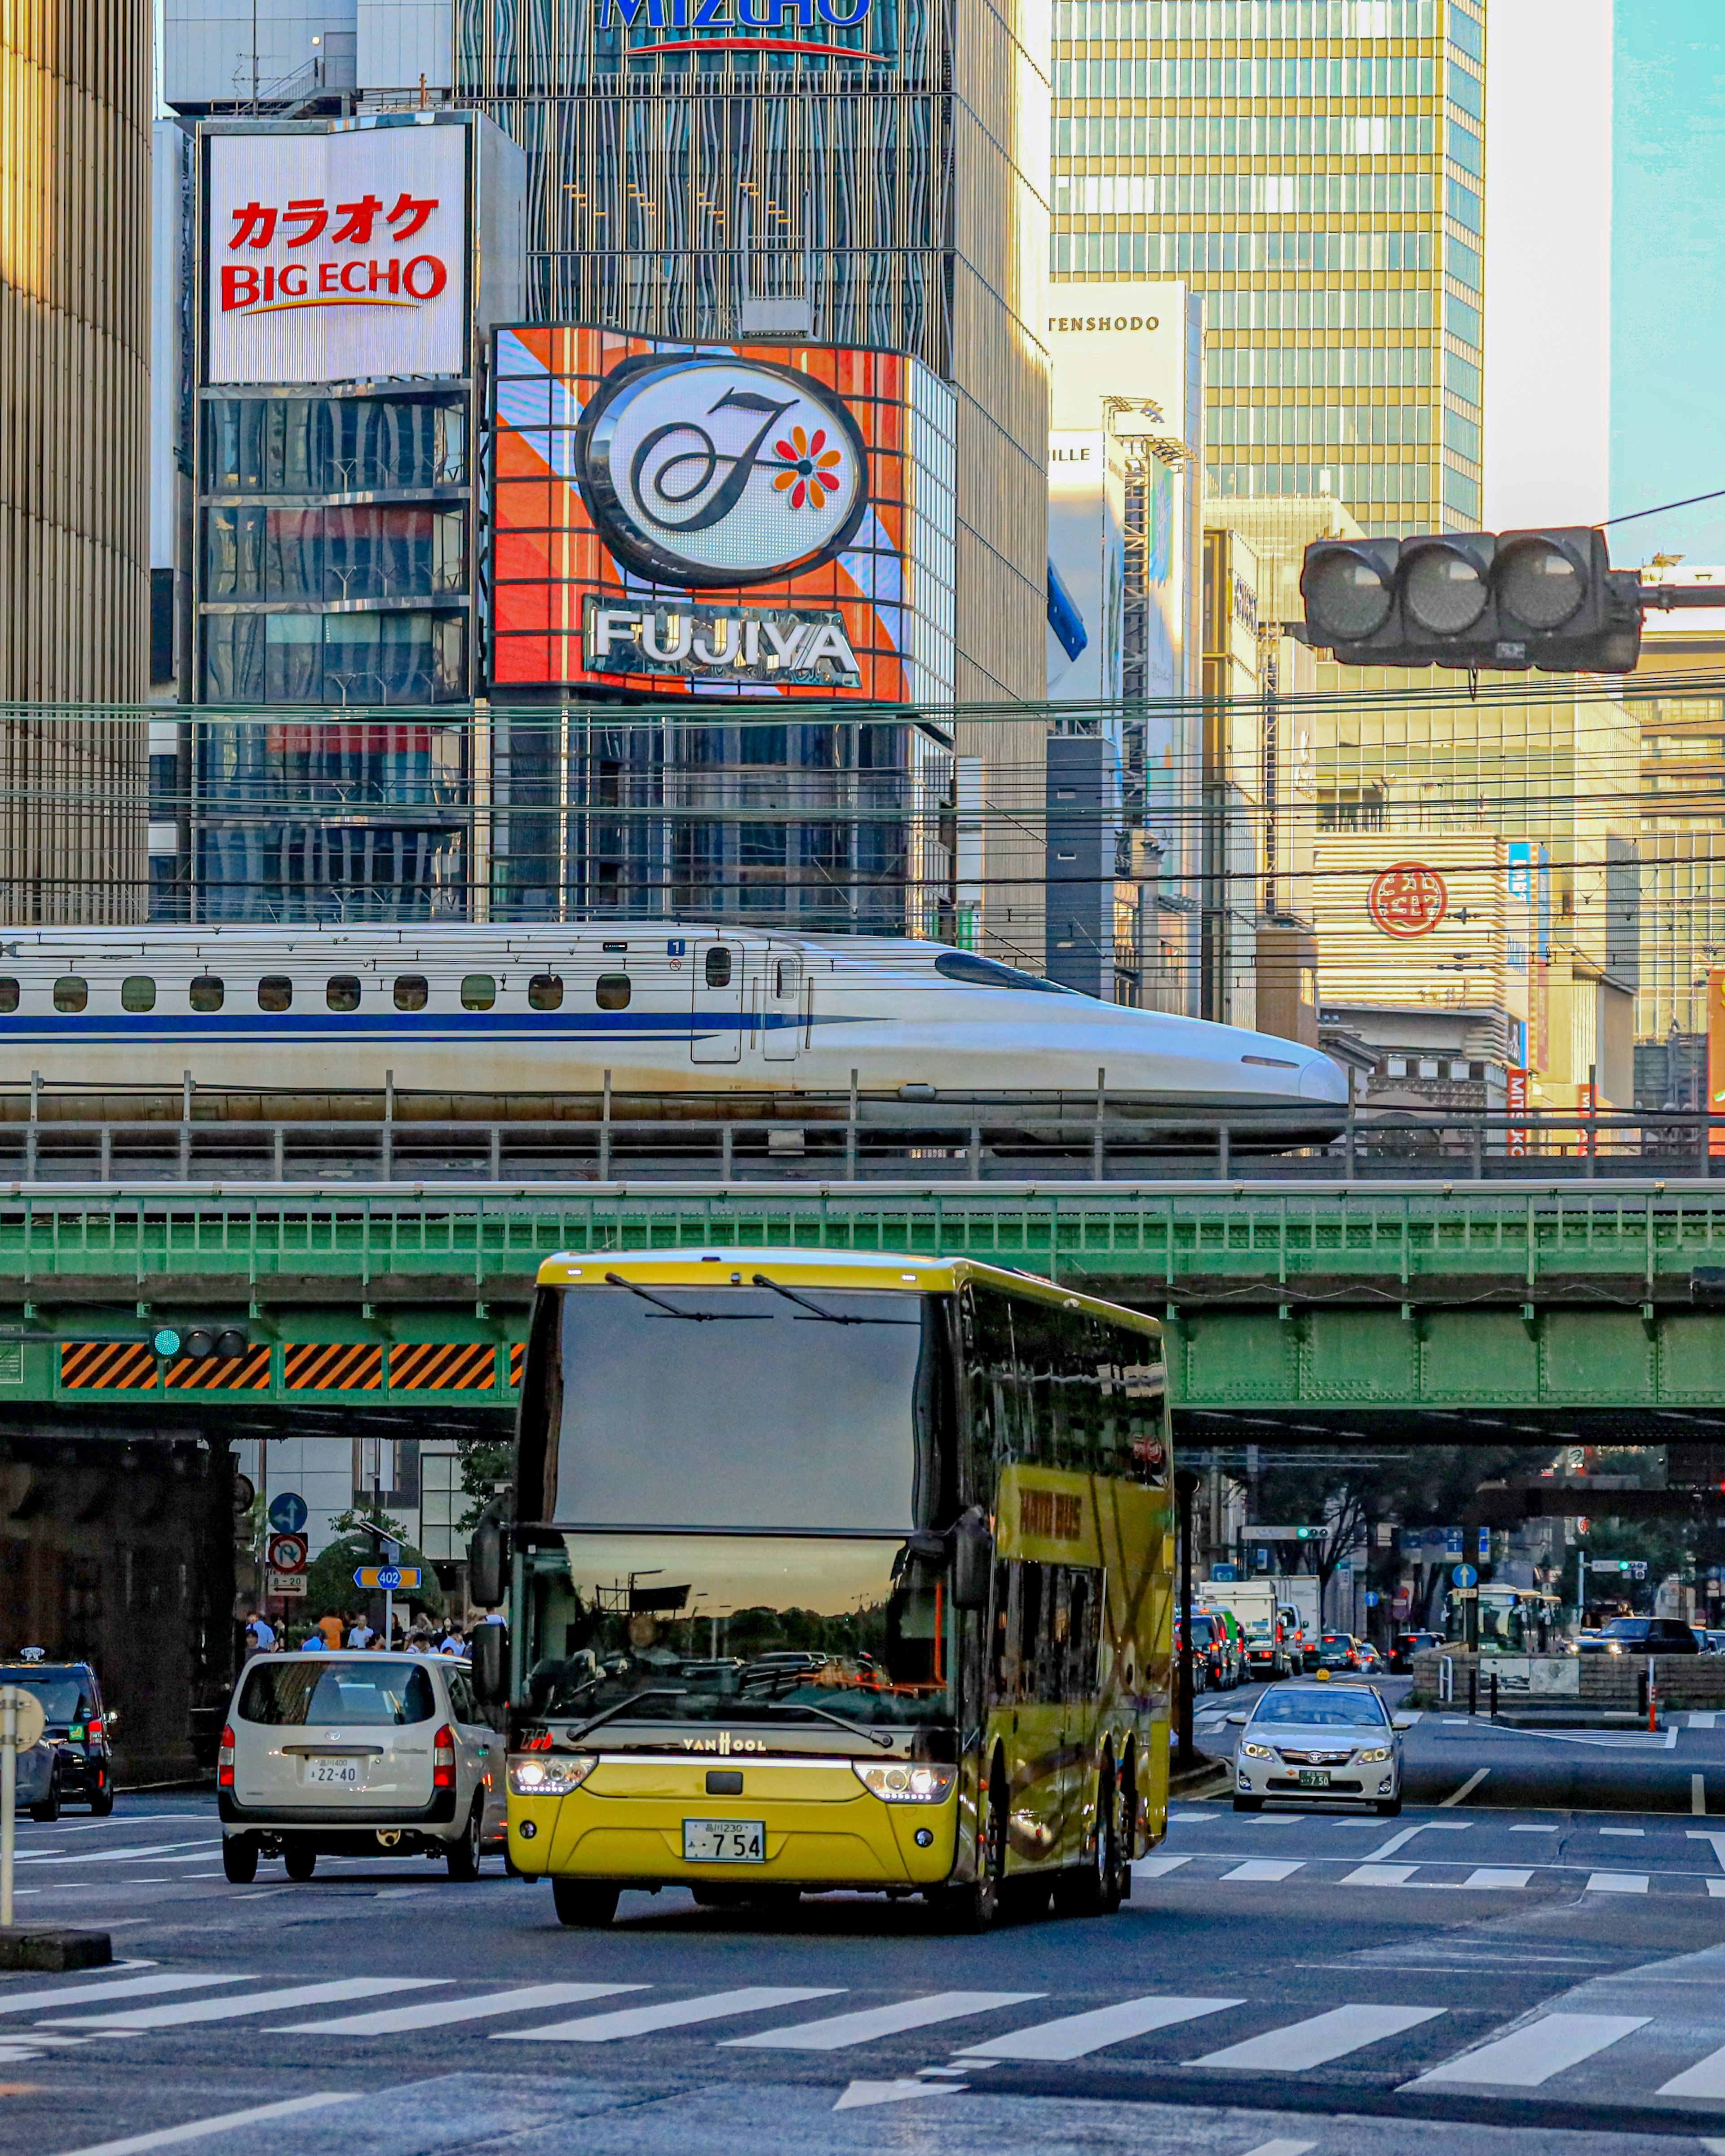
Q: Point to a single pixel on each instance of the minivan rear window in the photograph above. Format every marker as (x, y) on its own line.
(360, 1694)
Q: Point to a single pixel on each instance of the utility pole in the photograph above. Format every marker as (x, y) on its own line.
(1186, 1757)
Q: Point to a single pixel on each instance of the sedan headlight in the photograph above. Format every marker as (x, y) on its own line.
(539, 1776)
(1378, 1752)
(899, 1783)
(1257, 1751)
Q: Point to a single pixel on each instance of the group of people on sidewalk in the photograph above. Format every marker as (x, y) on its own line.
(332, 1633)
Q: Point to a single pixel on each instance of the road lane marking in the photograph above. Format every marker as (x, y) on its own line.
(1698, 1795)
(1496, 1875)
(1426, 1826)
(1529, 2056)
(1716, 1889)
(436, 2012)
(1467, 1789)
(671, 2013)
(1378, 1875)
(1324, 2037)
(1157, 1867)
(1536, 1830)
(1706, 2077)
(1615, 1882)
(250, 2002)
(1285, 2148)
(125, 1987)
(168, 2136)
(119, 1856)
(1639, 1833)
(1703, 1721)
(859, 2093)
(1075, 2036)
(845, 2030)
(1265, 1868)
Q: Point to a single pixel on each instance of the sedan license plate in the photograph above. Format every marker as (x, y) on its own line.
(343, 1772)
(1314, 1778)
(724, 1841)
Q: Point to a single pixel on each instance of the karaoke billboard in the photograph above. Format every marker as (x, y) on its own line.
(685, 520)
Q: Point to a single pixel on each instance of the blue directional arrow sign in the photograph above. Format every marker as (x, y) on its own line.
(1464, 1575)
(287, 1513)
(390, 1576)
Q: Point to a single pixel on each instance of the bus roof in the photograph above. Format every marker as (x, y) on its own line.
(832, 1268)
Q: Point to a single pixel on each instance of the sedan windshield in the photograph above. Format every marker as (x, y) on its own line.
(1321, 1710)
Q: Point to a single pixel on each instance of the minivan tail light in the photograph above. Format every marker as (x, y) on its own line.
(225, 1759)
(443, 1758)
(93, 1730)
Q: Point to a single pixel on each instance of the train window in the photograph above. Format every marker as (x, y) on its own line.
(784, 978)
(137, 992)
(343, 992)
(718, 968)
(545, 992)
(978, 972)
(275, 993)
(612, 991)
(411, 991)
(207, 992)
(479, 991)
(71, 993)
(8, 993)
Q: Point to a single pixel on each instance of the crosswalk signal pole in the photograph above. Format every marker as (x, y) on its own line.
(9, 1800)
(1185, 1755)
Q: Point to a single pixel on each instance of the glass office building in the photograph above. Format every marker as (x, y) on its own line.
(1315, 170)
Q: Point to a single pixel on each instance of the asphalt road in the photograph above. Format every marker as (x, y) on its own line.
(1480, 1974)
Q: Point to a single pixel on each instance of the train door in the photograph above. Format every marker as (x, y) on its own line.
(783, 1035)
(716, 1030)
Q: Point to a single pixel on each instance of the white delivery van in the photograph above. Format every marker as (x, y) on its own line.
(1257, 1607)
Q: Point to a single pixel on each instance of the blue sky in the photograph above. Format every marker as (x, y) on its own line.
(1667, 273)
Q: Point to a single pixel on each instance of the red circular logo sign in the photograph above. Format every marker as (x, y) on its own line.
(1408, 900)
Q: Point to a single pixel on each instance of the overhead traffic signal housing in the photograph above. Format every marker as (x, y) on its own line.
(1476, 599)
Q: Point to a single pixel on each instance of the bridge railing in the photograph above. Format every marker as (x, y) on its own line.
(835, 1139)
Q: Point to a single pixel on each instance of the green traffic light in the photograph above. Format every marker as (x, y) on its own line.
(166, 1342)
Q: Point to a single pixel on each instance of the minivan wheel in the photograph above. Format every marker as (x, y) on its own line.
(584, 1903)
(49, 1808)
(463, 1855)
(240, 1858)
(102, 1803)
(300, 1861)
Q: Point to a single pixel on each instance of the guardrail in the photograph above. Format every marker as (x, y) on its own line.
(843, 1139)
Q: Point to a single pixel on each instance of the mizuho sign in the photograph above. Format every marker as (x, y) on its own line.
(710, 471)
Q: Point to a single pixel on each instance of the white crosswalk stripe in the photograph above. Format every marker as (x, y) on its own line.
(123, 1987)
(1496, 1875)
(1379, 1875)
(1528, 2056)
(440, 2013)
(1616, 1883)
(187, 2012)
(1157, 1867)
(675, 2013)
(1264, 1867)
(1075, 2036)
(1324, 2037)
(1706, 2077)
(845, 2030)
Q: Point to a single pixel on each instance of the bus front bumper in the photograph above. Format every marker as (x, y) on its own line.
(822, 1829)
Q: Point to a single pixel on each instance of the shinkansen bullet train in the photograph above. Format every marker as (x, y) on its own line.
(664, 1008)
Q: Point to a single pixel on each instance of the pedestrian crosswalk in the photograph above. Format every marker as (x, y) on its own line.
(1430, 1875)
(1414, 2047)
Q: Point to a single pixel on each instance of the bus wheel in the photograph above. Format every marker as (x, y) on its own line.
(976, 1907)
(583, 1903)
(1093, 1889)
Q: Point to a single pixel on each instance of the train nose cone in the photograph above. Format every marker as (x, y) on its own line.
(1324, 1080)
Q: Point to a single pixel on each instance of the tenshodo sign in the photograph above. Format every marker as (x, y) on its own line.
(1408, 900)
(336, 256)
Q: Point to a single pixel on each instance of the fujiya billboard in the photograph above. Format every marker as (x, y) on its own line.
(336, 256)
(677, 518)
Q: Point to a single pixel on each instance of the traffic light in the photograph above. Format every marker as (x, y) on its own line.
(1505, 601)
(215, 1341)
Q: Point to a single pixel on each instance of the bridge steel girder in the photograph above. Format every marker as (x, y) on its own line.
(1340, 1310)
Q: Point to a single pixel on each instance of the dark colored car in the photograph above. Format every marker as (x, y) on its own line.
(1337, 1650)
(1212, 1645)
(1406, 1645)
(1648, 1636)
(77, 1729)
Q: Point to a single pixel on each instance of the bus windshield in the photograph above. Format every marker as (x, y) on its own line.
(738, 1408)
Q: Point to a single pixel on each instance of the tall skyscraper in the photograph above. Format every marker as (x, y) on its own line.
(1315, 170)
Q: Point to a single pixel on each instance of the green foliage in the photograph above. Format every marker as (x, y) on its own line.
(330, 1591)
(486, 1466)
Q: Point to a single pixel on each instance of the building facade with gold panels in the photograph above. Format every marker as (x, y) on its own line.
(1315, 169)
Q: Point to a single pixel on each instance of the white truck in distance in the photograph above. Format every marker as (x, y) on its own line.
(1266, 1620)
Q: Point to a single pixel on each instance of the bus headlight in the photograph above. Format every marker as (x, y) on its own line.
(538, 1776)
(901, 1783)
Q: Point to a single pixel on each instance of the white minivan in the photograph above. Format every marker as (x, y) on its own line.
(358, 1755)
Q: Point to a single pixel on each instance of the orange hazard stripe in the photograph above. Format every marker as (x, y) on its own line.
(107, 1365)
(517, 1359)
(248, 1373)
(443, 1366)
(333, 1366)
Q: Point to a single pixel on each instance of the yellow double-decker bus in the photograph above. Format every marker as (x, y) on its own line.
(833, 1571)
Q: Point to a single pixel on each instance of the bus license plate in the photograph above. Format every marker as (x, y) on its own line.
(724, 1841)
(1313, 1778)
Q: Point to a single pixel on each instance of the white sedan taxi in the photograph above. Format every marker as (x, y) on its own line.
(1324, 1744)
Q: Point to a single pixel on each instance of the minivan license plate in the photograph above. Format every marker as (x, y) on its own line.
(724, 1841)
(1313, 1778)
(343, 1771)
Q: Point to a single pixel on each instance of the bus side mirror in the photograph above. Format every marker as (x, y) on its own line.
(490, 1664)
(973, 1561)
(485, 1582)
